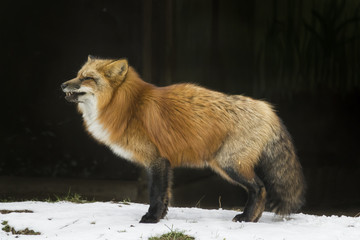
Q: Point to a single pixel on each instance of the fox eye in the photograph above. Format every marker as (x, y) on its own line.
(86, 78)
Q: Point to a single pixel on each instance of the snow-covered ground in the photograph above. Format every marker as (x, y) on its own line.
(65, 221)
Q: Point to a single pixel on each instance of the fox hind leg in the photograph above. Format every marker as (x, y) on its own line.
(160, 176)
(255, 204)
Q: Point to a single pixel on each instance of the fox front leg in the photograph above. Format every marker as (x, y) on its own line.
(160, 176)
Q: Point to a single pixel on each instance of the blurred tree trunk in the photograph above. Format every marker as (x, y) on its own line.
(215, 65)
(147, 52)
(169, 42)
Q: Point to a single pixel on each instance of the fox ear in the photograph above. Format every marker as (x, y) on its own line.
(117, 68)
(91, 57)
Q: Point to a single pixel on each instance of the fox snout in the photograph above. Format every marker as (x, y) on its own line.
(71, 90)
(64, 86)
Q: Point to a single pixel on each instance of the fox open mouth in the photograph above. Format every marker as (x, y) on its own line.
(73, 96)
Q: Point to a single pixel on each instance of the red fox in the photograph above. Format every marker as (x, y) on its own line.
(160, 128)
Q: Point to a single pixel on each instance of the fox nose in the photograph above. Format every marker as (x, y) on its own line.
(63, 86)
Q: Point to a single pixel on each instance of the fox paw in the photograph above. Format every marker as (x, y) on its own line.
(148, 218)
(241, 218)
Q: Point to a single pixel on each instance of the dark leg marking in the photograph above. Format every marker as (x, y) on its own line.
(255, 204)
(160, 174)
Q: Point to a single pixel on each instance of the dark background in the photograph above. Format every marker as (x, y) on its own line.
(301, 55)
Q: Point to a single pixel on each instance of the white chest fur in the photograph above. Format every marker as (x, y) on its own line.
(98, 131)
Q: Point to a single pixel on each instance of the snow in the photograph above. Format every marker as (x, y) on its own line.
(99, 220)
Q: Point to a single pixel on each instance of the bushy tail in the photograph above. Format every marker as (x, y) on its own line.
(282, 174)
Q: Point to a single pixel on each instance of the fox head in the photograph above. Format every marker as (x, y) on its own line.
(96, 79)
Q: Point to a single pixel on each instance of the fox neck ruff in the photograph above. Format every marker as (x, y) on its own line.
(89, 110)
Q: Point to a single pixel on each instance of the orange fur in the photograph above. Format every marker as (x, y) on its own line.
(180, 129)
